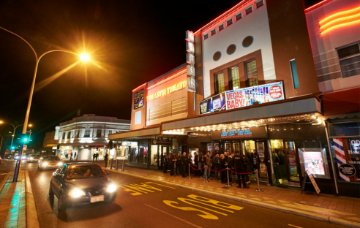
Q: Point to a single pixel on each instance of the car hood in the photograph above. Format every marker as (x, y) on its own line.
(87, 183)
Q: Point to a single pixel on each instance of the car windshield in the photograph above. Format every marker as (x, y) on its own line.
(84, 171)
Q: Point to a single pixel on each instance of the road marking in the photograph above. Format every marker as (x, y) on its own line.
(207, 206)
(143, 188)
(174, 216)
(295, 226)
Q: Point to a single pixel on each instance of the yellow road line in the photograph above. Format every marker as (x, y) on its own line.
(291, 225)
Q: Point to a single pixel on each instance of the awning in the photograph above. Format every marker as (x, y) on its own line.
(341, 102)
(142, 133)
(287, 108)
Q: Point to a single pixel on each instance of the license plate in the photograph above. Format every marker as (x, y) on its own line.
(95, 199)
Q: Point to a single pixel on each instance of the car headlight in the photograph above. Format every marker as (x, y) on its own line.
(76, 193)
(59, 164)
(45, 164)
(110, 188)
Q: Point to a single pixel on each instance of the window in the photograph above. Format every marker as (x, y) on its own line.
(213, 32)
(349, 58)
(234, 79)
(251, 73)
(98, 133)
(238, 16)
(219, 83)
(68, 135)
(221, 27)
(64, 135)
(294, 74)
(259, 3)
(229, 22)
(248, 10)
(206, 36)
(87, 134)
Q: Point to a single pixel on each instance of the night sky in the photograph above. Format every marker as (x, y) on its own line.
(132, 42)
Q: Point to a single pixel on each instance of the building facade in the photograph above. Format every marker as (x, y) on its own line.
(252, 87)
(82, 137)
(333, 30)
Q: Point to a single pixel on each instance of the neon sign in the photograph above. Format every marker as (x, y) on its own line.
(340, 19)
(168, 90)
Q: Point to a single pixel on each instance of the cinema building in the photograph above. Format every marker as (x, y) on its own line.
(248, 85)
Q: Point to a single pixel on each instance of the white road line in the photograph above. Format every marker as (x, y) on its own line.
(291, 225)
(174, 216)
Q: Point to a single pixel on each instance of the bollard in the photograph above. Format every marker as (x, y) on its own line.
(189, 172)
(117, 164)
(258, 181)
(123, 164)
(111, 163)
(228, 179)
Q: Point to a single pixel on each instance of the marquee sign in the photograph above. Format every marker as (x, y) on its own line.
(238, 98)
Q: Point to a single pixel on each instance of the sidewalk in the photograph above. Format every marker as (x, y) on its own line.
(334, 209)
(17, 204)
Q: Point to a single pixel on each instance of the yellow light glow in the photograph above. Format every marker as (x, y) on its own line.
(84, 57)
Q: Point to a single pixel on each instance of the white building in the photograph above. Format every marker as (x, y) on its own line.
(86, 135)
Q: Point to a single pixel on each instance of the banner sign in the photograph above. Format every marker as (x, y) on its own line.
(239, 98)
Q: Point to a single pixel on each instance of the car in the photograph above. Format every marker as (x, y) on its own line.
(80, 183)
(49, 162)
(33, 158)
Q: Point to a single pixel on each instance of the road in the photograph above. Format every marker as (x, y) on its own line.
(144, 203)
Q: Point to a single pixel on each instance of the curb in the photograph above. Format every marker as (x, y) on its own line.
(329, 219)
(2, 184)
(31, 211)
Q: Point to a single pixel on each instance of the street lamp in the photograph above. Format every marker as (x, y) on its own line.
(84, 57)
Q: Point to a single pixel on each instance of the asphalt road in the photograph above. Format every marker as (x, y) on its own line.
(144, 203)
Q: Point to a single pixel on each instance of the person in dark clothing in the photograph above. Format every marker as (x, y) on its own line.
(106, 159)
(166, 163)
(223, 166)
(184, 164)
(237, 167)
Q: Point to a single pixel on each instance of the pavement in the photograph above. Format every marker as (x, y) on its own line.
(18, 209)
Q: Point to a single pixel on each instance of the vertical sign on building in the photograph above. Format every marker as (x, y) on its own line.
(190, 60)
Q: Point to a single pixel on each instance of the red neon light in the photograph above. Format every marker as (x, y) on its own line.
(317, 5)
(139, 87)
(224, 15)
(168, 78)
(344, 18)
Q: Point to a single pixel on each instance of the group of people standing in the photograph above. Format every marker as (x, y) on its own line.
(223, 166)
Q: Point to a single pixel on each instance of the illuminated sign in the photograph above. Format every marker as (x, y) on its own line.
(238, 98)
(313, 162)
(236, 133)
(190, 60)
(168, 90)
(340, 19)
(139, 99)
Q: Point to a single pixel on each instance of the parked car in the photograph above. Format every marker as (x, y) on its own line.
(49, 162)
(81, 183)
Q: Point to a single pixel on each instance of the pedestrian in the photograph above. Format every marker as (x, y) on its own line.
(94, 156)
(207, 166)
(237, 167)
(106, 159)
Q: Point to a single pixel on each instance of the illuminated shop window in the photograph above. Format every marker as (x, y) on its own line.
(294, 74)
(349, 58)
(229, 22)
(248, 10)
(213, 32)
(238, 16)
(259, 3)
(219, 83)
(234, 78)
(206, 36)
(251, 73)
(221, 27)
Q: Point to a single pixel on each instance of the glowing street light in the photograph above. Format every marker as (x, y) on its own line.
(82, 57)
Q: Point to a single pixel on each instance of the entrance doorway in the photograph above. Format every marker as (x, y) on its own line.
(285, 163)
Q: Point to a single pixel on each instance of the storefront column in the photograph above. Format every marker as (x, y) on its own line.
(331, 158)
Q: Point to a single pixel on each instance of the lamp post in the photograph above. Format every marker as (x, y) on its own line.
(83, 57)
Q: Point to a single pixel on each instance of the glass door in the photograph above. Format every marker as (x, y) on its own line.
(291, 157)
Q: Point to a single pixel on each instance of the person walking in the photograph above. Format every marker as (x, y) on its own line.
(106, 159)
(237, 167)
